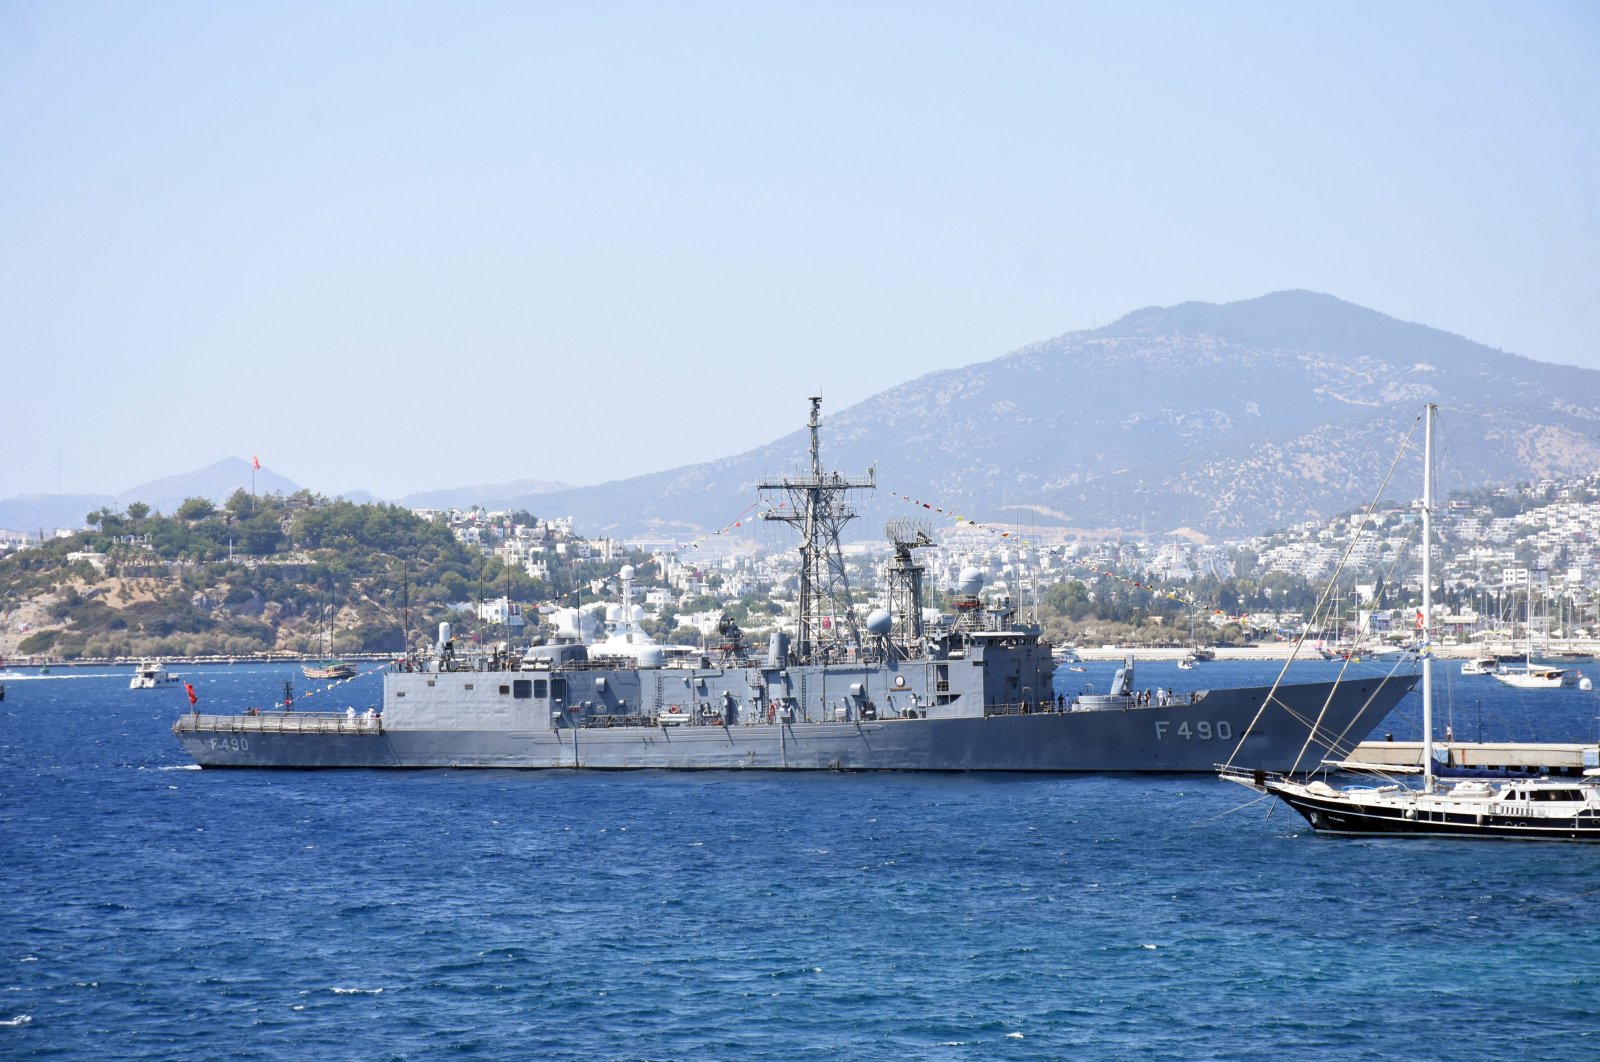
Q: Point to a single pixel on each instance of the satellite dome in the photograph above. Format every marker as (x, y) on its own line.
(627, 571)
(613, 613)
(879, 622)
(970, 582)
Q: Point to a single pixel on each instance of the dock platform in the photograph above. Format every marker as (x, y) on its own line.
(1554, 758)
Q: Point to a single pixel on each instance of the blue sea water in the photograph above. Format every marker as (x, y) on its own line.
(156, 911)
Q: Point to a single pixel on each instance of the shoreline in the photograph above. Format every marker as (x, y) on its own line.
(1580, 648)
(21, 665)
(1584, 649)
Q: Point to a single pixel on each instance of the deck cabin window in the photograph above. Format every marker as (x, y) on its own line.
(541, 688)
(1559, 794)
(521, 689)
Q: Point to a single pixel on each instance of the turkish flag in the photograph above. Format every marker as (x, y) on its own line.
(193, 699)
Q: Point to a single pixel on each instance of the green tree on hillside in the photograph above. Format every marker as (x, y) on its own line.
(195, 509)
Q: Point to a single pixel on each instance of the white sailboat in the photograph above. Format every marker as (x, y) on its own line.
(1535, 676)
(1531, 676)
(1532, 809)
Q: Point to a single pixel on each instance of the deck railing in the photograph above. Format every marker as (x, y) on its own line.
(279, 723)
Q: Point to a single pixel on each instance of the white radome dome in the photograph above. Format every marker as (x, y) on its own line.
(969, 582)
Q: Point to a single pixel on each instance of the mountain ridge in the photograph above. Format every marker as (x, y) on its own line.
(1226, 418)
(1222, 418)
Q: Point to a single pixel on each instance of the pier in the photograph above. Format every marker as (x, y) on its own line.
(1550, 757)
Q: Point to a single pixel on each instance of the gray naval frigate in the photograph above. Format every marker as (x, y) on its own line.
(971, 692)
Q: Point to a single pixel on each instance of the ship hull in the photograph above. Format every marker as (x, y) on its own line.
(1344, 817)
(1195, 737)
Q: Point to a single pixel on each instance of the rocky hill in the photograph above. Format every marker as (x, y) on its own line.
(1224, 418)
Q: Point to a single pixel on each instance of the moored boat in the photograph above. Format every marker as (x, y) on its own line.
(328, 669)
(1532, 676)
(1534, 808)
(1552, 809)
(150, 675)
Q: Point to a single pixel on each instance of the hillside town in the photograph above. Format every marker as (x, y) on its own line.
(1514, 566)
(1541, 559)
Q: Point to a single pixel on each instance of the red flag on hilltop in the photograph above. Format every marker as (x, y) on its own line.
(256, 461)
(193, 699)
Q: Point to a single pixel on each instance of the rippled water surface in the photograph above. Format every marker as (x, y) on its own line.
(156, 911)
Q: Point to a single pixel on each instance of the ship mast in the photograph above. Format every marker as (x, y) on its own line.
(826, 618)
(1427, 603)
(904, 578)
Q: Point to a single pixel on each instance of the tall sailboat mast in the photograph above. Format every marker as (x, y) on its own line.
(1427, 602)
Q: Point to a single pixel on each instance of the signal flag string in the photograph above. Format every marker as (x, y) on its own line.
(1060, 554)
(738, 521)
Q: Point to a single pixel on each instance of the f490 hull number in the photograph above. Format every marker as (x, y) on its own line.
(1203, 730)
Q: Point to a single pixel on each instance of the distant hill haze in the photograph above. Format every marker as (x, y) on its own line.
(216, 481)
(489, 495)
(1225, 419)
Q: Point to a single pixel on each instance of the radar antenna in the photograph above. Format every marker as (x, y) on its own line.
(826, 615)
(904, 580)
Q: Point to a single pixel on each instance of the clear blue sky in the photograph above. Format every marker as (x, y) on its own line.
(398, 246)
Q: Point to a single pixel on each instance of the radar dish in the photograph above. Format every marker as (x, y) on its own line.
(907, 533)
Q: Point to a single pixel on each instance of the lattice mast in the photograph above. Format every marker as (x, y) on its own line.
(904, 580)
(817, 505)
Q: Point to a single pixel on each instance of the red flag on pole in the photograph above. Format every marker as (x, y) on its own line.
(193, 699)
(256, 461)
